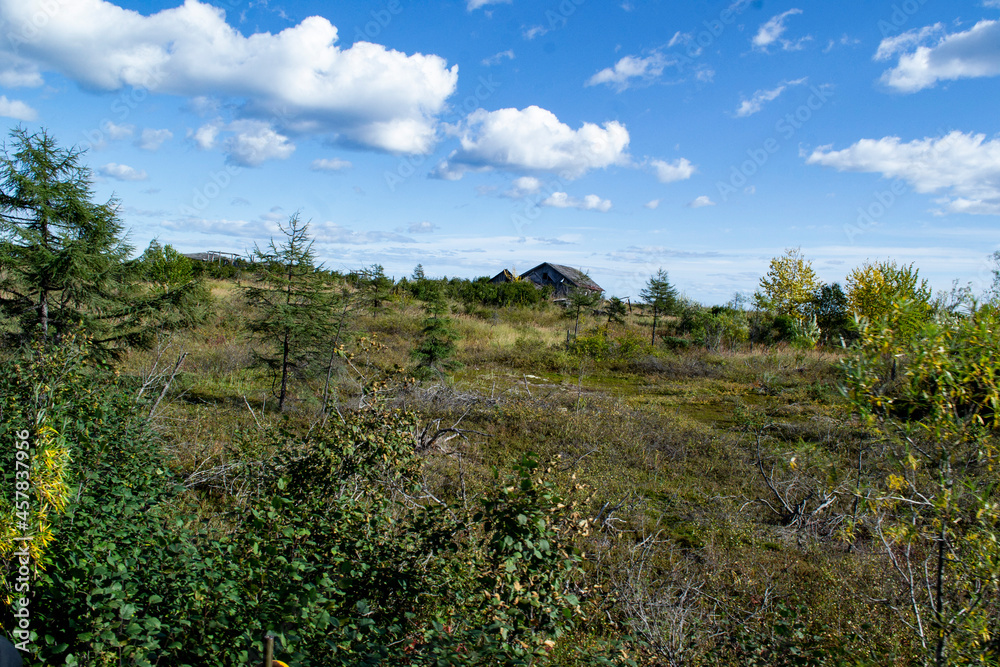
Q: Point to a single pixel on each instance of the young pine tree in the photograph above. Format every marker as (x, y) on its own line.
(291, 306)
(437, 343)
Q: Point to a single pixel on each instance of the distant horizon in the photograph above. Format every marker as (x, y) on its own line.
(475, 135)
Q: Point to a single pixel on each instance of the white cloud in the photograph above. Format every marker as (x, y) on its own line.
(366, 94)
(630, 70)
(703, 200)
(16, 109)
(330, 164)
(678, 170)
(761, 97)
(117, 132)
(532, 32)
(771, 32)
(206, 135)
(588, 203)
(533, 139)
(476, 4)
(150, 140)
(965, 168)
(122, 172)
(652, 204)
(498, 58)
(255, 142)
(890, 46)
(523, 186)
(424, 227)
(960, 55)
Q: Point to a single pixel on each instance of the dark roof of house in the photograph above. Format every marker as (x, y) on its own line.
(504, 276)
(576, 277)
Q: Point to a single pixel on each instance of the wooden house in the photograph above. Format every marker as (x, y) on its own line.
(560, 278)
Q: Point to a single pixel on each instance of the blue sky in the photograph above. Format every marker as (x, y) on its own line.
(469, 136)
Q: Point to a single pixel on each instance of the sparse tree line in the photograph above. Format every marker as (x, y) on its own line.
(326, 531)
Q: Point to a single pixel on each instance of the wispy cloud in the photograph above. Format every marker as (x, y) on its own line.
(771, 32)
(630, 71)
(748, 107)
(498, 58)
(701, 201)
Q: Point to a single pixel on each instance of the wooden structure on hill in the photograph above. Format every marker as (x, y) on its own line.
(216, 256)
(560, 278)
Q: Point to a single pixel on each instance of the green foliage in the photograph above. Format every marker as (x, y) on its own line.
(63, 258)
(579, 299)
(661, 295)
(616, 310)
(789, 285)
(170, 272)
(518, 293)
(933, 393)
(873, 289)
(832, 315)
(436, 348)
(291, 308)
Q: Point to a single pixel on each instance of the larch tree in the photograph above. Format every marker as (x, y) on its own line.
(64, 260)
(291, 305)
(661, 295)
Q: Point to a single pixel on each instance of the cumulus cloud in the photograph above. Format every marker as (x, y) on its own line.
(150, 139)
(16, 109)
(961, 55)
(524, 186)
(533, 139)
(122, 172)
(771, 32)
(329, 164)
(653, 204)
(254, 142)
(588, 203)
(629, 71)
(117, 132)
(964, 168)
(366, 94)
(748, 107)
(699, 202)
(678, 170)
(206, 135)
